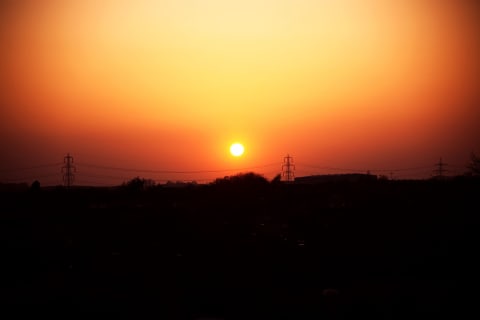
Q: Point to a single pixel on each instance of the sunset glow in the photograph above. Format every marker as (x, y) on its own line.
(166, 85)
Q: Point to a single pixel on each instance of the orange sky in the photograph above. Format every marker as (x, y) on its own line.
(169, 85)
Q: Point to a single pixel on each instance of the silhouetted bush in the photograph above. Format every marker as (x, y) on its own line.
(35, 187)
(474, 165)
(139, 184)
(249, 179)
(277, 179)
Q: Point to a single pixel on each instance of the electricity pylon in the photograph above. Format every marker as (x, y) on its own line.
(68, 170)
(440, 170)
(288, 169)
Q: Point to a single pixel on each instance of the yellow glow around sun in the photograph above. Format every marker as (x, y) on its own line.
(237, 149)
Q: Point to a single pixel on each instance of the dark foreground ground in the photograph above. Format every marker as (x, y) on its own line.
(376, 250)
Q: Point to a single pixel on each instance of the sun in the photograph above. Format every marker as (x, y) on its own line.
(237, 149)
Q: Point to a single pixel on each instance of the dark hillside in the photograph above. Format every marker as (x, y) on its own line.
(244, 249)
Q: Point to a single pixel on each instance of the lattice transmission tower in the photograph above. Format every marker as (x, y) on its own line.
(68, 170)
(440, 169)
(288, 169)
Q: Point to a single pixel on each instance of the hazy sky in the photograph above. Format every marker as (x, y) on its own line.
(169, 85)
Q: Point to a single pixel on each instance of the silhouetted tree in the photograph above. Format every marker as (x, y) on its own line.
(249, 179)
(474, 165)
(277, 179)
(139, 184)
(149, 183)
(383, 177)
(35, 187)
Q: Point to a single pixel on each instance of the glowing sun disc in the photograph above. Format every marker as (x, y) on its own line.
(237, 149)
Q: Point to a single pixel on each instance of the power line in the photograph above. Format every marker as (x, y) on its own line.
(94, 183)
(30, 178)
(362, 170)
(101, 176)
(173, 171)
(288, 168)
(33, 167)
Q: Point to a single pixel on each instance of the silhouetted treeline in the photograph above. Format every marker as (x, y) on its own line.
(243, 247)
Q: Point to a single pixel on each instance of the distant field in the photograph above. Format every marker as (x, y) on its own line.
(380, 249)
